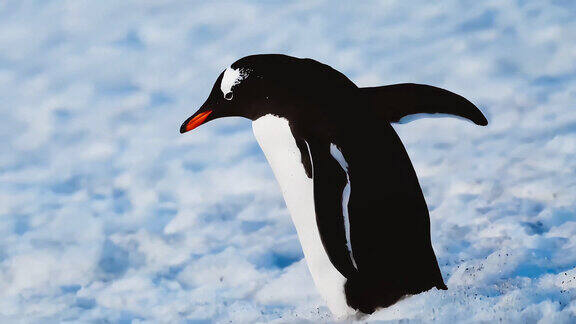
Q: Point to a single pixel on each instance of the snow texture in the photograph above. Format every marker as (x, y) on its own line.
(107, 213)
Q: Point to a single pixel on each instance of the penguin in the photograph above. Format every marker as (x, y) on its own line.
(346, 178)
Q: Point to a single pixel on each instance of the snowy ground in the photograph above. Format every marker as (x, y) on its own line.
(108, 213)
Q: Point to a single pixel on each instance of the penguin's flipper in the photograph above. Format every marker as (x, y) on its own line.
(330, 182)
(399, 103)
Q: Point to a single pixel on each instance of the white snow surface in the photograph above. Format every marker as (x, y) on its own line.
(107, 213)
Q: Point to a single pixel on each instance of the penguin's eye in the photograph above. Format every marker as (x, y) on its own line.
(229, 95)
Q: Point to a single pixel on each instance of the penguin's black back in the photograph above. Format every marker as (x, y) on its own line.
(390, 224)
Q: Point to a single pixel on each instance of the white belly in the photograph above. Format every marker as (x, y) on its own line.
(276, 140)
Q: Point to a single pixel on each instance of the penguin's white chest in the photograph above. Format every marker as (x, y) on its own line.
(279, 145)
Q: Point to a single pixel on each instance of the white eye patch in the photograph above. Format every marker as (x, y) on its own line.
(231, 78)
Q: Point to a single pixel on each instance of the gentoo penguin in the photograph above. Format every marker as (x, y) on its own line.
(348, 183)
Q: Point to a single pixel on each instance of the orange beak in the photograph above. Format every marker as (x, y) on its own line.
(194, 121)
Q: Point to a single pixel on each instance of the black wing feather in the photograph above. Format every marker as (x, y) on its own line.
(392, 102)
(329, 183)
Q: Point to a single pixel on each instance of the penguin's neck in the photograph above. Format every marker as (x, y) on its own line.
(279, 145)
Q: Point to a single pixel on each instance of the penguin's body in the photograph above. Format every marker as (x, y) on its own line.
(347, 180)
(279, 145)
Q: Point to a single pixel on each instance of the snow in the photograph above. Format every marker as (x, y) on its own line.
(107, 213)
(410, 118)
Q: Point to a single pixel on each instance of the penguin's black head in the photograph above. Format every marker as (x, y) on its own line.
(271, 84)
(236, 92)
